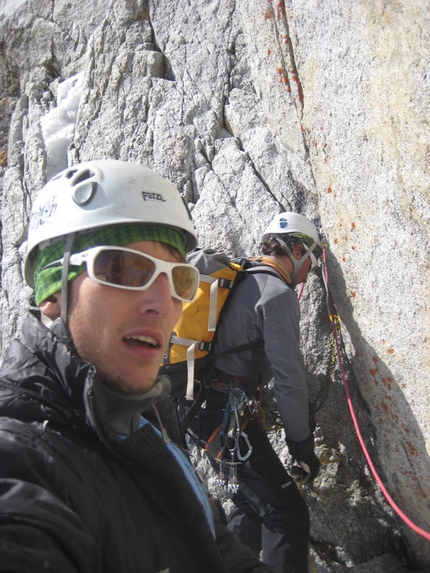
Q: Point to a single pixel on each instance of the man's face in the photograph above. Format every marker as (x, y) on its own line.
(124, 333)
(302, 275)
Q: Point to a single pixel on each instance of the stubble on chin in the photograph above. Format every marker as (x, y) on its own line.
(126, 384)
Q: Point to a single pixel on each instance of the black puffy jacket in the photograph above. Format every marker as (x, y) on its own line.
(72, 499)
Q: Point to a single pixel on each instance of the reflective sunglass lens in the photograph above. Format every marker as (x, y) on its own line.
(137, 270)
(184, 281)
(103, 266)
(122, 268)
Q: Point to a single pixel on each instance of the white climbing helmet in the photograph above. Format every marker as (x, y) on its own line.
(100, 194)
(293, 223)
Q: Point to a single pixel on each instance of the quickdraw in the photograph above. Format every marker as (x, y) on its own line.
(234, 445)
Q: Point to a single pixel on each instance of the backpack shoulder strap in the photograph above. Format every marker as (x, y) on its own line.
(264, 270)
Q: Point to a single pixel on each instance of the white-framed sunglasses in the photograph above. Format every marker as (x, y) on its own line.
(128, 269)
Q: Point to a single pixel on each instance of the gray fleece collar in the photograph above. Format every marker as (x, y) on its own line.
(120, 413)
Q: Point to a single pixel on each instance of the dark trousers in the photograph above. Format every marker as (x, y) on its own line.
(270, 514)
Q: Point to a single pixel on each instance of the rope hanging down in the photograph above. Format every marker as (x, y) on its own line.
(339, 345)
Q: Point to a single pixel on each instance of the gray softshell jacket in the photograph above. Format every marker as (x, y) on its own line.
(263, 307)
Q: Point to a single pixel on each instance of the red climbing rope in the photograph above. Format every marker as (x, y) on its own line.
(336, 332)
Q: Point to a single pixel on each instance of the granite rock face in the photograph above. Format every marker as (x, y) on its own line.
(253, 108)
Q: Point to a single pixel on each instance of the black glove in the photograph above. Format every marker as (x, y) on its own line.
(303, 453)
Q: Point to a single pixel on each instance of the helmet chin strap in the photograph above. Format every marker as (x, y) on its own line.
(59, 326)
(297, 263)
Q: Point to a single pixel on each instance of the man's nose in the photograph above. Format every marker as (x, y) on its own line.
(158, 296)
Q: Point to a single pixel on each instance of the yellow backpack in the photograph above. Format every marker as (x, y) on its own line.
(187, 360)
(188, 354)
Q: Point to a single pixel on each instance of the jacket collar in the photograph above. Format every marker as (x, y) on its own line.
(271, 262)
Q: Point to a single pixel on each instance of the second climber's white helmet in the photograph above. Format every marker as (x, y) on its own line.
(293, 223)
(100, 194)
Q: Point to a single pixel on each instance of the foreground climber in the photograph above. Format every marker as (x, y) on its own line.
(93, 477)
(262, 316)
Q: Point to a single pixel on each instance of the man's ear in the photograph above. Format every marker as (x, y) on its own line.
(298, 250)
(51, 307)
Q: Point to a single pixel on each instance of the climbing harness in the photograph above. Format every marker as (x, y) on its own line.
(341, 352)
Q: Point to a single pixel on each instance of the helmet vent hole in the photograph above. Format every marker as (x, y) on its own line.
(70, 173)
(86, 174)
